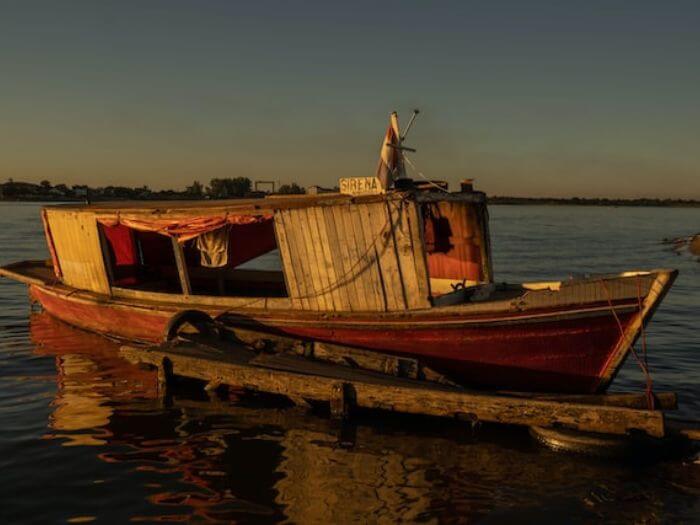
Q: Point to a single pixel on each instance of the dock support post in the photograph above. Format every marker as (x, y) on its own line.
(164, 375)
(342, 399)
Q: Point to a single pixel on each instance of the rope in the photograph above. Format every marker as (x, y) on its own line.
(649, 391)
(420, 173)
(642, 364)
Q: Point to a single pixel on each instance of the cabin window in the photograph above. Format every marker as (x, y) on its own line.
(235, 260)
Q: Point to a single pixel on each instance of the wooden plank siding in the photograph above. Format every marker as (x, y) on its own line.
(354, 257)
(304, 294)
(290, 278)
(79, 250)
(415, 229)
(369, 277)
(486, 245)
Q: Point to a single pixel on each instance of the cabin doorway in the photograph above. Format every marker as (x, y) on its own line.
(457, 245)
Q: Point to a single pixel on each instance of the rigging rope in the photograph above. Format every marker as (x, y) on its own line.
(420, 173)
(649, 391)
(642, 364)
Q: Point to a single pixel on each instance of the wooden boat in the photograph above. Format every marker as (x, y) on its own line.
(406, 271)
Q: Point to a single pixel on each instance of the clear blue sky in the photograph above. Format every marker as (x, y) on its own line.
(555, 98)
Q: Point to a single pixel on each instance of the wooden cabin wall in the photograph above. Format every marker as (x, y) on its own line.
(77, 242)
(354, 257)
(483, 215)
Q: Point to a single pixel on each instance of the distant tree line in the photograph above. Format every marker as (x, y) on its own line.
(582, 201)
(238, 187)
(218, 188)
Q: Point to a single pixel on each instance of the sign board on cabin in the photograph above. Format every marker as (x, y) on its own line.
(361, 186)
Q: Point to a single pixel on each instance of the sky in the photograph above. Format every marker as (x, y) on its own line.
(530, 98)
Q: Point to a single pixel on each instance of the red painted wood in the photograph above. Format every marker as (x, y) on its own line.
(562, 355)
(555, 354)
(126, 323)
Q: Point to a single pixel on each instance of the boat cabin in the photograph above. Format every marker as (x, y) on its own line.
(401, 250)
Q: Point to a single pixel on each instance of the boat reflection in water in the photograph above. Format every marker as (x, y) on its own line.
(249, 460)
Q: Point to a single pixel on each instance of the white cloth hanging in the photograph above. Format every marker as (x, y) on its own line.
(213, 248)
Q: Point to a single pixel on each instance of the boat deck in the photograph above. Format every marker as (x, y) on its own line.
(31, 272)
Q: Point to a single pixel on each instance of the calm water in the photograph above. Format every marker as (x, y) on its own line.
(83, 438)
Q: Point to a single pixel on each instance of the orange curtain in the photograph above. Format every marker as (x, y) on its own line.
(182, 229)
(453, 238)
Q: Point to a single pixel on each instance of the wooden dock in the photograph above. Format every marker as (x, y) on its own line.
(308, 381)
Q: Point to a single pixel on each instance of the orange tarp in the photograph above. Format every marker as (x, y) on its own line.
(182, 229)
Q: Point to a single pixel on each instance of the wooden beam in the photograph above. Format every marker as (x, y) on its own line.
(374, 391)
(106, 256)
(181, 267)
(662, 400)
(337, 354)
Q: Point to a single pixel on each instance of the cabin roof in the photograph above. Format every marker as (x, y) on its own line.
(257, 205)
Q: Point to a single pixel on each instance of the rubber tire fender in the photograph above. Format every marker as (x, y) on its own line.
(201, 321)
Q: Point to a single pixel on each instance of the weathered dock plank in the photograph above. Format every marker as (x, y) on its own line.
(316, 381)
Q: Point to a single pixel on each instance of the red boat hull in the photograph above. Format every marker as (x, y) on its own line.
(566, 352)
(562, 356)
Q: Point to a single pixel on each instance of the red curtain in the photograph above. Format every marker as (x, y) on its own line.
(157, 250)
(248, 241)
(121, 241)
(122, 248)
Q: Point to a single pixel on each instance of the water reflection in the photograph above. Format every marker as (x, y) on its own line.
(247, 460)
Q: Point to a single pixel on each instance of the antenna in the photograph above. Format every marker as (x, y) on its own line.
(408, 126)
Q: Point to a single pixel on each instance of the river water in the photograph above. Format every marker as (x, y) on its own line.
(83, 437)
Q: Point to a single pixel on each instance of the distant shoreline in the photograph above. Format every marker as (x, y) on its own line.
(243, 187)
(580, 201)
(497, 199)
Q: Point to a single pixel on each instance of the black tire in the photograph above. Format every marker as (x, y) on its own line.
(586, 443)
(194, 320)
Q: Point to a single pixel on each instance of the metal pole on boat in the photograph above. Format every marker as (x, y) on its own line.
(408, 126)
(401, 148)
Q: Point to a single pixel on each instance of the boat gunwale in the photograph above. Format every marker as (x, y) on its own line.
(479, 312)
(366, 320)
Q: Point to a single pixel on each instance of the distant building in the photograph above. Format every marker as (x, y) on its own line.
(315, 190)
